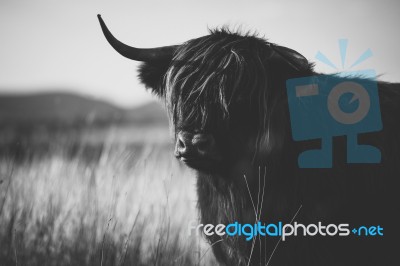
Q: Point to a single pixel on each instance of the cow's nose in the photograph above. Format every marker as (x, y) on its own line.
(194, 145)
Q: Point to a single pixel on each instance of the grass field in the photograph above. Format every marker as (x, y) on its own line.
(114, 196)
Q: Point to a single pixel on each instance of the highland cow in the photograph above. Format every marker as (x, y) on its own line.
(226, 98)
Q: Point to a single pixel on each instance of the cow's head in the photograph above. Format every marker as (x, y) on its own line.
(223, 93)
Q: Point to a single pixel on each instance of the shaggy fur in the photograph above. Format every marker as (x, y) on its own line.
(232, 86)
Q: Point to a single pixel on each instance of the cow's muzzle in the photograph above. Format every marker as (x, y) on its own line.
(197, 150)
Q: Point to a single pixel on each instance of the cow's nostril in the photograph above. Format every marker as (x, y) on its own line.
(181, 144)
(204, 143)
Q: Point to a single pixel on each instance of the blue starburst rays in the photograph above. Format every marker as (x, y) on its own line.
(343, 44)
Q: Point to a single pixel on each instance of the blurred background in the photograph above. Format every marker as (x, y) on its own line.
(87, 175)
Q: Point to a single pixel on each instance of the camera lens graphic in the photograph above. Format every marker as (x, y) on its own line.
(359, 93)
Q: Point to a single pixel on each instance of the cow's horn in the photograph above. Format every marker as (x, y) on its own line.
(138, 54)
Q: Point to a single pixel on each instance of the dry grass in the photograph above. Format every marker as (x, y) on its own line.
(124, 204)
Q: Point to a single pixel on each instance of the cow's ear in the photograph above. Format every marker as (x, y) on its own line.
(151, 74)
(291, 57)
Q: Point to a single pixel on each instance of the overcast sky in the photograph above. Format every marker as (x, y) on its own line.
(58, 45)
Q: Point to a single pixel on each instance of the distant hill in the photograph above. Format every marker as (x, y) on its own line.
(151, 113)
(67, 109)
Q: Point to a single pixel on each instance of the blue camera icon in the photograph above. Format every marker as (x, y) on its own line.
(325, 106)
